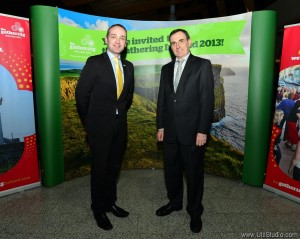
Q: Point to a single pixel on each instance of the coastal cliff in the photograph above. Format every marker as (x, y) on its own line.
(219, 94)
(148, 90)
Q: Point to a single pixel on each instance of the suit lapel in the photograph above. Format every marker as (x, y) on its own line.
(112, 73)
(125, 72)
(171, 74)
(108, 64)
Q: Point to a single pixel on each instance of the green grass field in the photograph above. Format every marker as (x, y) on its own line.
(143, 151)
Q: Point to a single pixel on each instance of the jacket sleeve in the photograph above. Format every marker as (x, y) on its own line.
(84, 88)
(160, 102)
(207, 99)
(131, 88)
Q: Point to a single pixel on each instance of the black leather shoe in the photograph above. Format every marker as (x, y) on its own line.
(196, 224)
(117, 211)
(103, 221)
(166, 210)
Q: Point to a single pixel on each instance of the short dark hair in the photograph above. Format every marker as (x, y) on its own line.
(180, 30)
(115, 25)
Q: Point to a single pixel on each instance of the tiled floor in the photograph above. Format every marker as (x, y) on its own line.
(231, 208)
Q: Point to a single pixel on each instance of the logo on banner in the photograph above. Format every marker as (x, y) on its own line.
(17, 27)
(15, 31)
(296, 58)
(286, 185)
(86, 44)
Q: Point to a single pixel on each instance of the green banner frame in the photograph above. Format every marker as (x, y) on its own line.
(45, 45)
(260, 97)
(48, 101)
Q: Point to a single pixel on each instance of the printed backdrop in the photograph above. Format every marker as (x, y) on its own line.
(278, 177)
(225, 41)
(18, 151)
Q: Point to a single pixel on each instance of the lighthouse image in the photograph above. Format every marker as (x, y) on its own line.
(10, 149)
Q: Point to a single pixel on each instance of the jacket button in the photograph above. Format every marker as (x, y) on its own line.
(174, 101)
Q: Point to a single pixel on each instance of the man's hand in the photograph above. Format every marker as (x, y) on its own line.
(201, 139)
(160, 135)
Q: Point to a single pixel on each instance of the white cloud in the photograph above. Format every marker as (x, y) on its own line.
(67, 21)
(99, 25)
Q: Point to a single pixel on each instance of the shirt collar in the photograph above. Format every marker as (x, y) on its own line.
(184, 58)
(111, 55)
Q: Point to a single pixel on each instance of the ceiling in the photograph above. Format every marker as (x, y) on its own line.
(160, 10)
(144, 9)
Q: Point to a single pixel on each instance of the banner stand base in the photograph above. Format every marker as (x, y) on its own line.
(19, 189)
(281, 193)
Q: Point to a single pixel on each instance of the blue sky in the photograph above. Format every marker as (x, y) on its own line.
(102, 23)
(17, 113)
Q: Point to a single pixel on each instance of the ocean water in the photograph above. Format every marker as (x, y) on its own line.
(232, 127)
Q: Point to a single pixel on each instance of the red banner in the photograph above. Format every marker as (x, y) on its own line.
(283, 170)
(18, 150)
(290, 47)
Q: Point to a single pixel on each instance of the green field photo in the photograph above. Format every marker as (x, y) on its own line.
(143, 151)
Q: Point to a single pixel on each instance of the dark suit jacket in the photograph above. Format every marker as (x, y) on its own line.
(96, 94)
(190, 110)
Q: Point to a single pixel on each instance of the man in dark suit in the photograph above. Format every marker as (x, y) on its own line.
(185, 109)
(103, 95)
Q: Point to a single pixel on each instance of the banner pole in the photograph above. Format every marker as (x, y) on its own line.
(260, 96)
(47, 89)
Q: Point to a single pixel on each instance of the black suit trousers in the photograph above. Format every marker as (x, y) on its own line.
(106, 160)
(189, 158)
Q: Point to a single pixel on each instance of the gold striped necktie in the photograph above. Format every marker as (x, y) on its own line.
(119, 77)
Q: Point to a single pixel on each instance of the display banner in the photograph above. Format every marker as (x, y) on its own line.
(283, 170)
(242, 88)
(225, 41)
(18, 148)
(154, 43)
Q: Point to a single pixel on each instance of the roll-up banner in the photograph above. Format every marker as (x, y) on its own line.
(283, 170)
(18, 148)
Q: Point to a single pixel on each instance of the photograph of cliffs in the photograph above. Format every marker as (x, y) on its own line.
(224, 154)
